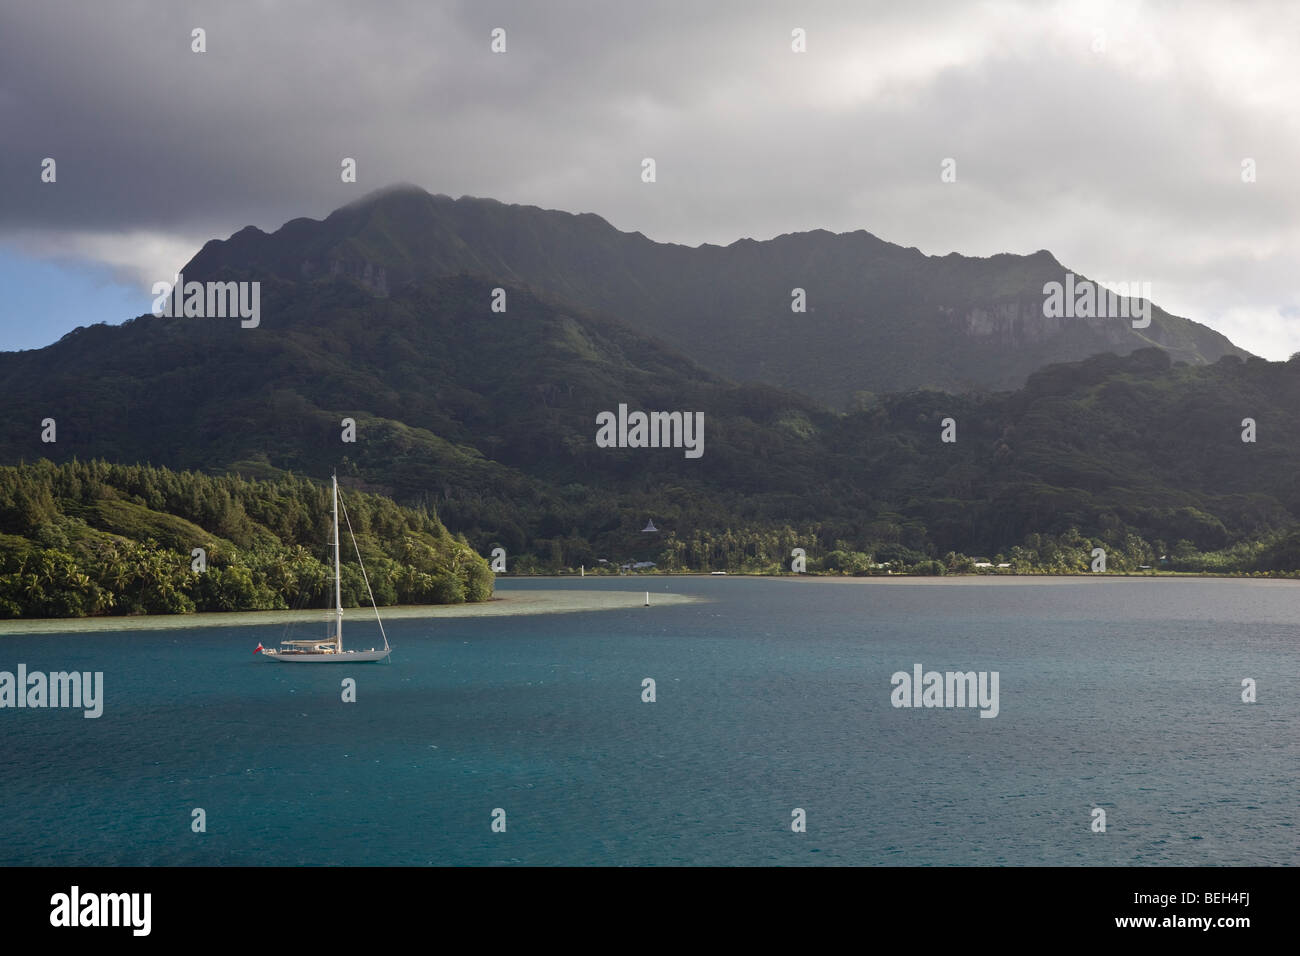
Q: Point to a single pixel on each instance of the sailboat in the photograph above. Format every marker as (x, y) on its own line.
(330, 650)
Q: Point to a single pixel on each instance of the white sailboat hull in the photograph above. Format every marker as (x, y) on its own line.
(340, 657)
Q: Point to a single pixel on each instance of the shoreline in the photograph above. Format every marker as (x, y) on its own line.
(568, 601)
(950, 576)
(518, 604)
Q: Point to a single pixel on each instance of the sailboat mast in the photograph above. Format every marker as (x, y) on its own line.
(338, 582)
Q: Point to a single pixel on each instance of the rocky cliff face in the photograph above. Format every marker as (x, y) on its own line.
(373, 277)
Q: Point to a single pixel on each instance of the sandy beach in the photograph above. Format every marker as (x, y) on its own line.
(513, 603)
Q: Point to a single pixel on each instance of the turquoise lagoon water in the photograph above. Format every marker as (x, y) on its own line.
(773, 694)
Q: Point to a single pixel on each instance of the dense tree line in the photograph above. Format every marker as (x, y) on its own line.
(759, 551)
(85, 538)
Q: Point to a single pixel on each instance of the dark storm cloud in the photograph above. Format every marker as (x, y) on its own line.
(1111, 134)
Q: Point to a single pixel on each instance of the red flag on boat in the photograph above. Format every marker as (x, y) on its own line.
(258, 648)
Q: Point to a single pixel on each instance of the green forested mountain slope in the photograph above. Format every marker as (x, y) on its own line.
(489, 420)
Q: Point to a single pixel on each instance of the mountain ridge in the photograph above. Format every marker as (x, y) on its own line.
(880, 317)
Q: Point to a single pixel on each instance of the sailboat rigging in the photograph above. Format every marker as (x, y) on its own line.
(330, 650)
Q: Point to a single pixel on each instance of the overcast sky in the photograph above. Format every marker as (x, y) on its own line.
(1112, 134)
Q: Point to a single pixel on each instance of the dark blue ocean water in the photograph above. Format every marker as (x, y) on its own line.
(1119, 694)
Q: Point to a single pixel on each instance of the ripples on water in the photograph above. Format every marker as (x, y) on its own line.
(1119, 694)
